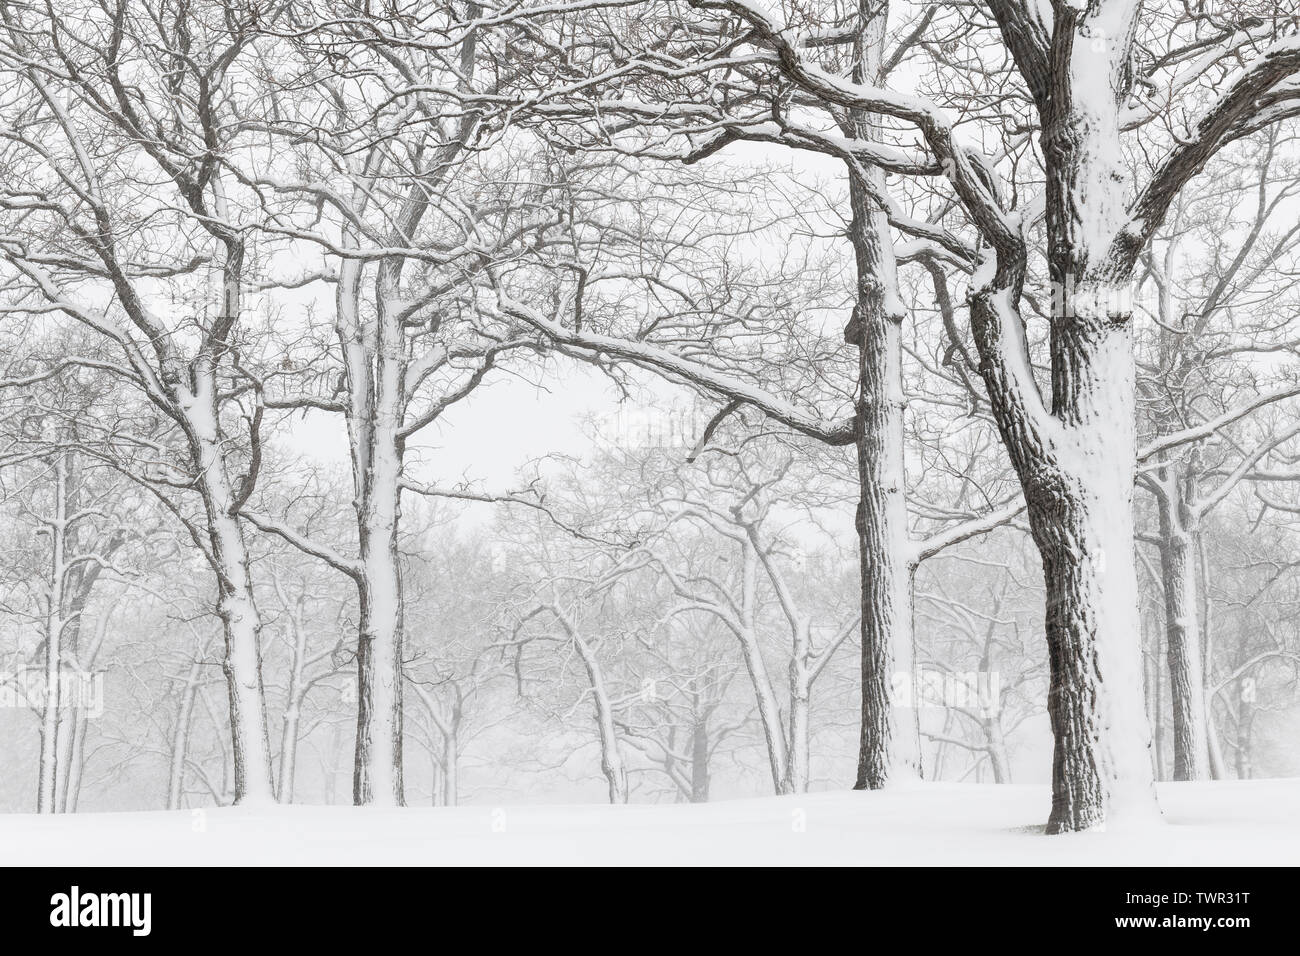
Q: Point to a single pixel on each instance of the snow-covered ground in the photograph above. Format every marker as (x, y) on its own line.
(1253, 822)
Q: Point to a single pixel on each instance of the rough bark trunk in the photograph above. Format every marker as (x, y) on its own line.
(375, 371)
(1075, 459)
(378, 727)
(1183, 647)
(378, 775)
(1081, 515)
(889, 742)
(1100, 763)
(1076, 468)
(889, 736)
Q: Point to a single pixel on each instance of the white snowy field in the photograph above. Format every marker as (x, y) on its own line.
(1243, 823)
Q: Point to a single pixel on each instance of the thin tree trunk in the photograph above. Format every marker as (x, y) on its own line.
(1245, 720)
(293, 709)
(1218, 768)
(435, 775)
(800, 683)
(181, 737)
(611, 759)
(57, 527)
(797, 758)
(450, 758)
(289, 748)
(769, 712)
(999, 762)
(236, 606)
(700, 759)
(760, 681)
(1151, 683)
(70, 720)
(71, 794)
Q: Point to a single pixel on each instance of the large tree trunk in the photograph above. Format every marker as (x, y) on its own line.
(1076, 467)
(375, 361)
(373, 357)
(889, 740)
(1182, 636)
(1075, 459)
(1080, 499)
(378, 729)
(378, 775)
(889, 737)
